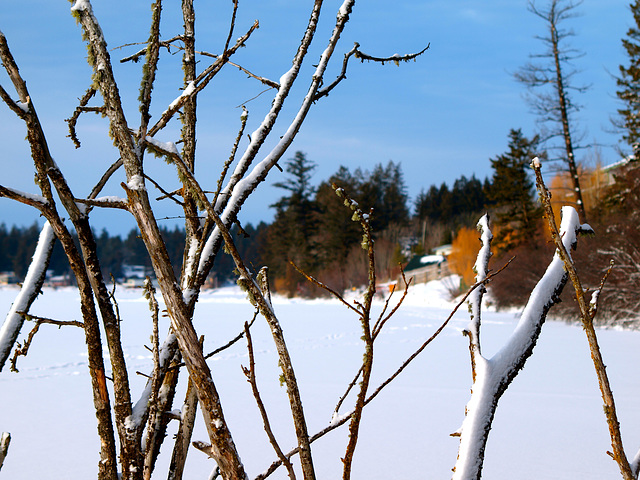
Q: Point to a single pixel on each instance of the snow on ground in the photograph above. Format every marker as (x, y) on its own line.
(548, 425)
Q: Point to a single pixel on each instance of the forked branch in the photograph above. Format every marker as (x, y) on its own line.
(587, 314)
(494, 375)
(357, 53)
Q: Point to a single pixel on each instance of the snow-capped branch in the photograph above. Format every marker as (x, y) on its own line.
(17, 107)
(200, 82)
(36, 201)
(240, 184)
(481, 268)
(105, 202)
(30, 289)
(494, 375)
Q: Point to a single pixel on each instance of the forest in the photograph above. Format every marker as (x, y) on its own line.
(311, 231)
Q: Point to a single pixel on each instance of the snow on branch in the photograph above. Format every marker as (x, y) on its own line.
(240, 184)
(109, 201)
(481, 268)
(30, 289)
(31, 199)
(200, 82)
(494, 375)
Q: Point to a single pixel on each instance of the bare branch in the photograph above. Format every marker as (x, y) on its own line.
(136, 56)
(339, 420)
(324, 286)
(200, 82)
(380, 323)
(152, 431)
(586, 318)
(263, 80)
(243, 123)
(105, 178)
(23, 349)
(250, 373)
(355, 51)
(82, 107)
(185, 431)
(149, 68)
(232, 26)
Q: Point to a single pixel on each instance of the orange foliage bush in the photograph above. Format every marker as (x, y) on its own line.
(464, 250)
(593, 182)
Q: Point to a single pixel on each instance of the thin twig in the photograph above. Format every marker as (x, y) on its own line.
(243, 119)
(347, 391)
(382, 321)
(324, 286)
(266, 81)
(136, 56)
(339, 421)
(166, 194)
(587, 322)
(22, 349)
(250, 373)
(355, 51)
(73, 120)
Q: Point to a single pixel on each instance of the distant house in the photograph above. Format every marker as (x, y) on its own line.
(424, 268)
(56, 281)
(135, 275)
(8, 278)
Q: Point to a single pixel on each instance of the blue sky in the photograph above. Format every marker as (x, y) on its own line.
(443, 116)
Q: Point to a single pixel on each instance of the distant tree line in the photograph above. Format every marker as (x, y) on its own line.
(312, 231)
(17, 245)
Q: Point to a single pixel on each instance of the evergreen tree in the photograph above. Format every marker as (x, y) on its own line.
(337, 233)
(290, 236)
(511, 192)
(628, 120)
(384, 190)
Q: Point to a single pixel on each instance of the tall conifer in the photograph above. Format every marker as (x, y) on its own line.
(511, 192)
(628, 120)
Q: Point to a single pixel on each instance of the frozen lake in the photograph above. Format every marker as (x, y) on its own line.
(549, 424)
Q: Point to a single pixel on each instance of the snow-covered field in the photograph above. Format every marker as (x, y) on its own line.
(549, 424)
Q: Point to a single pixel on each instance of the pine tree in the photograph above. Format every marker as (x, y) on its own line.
(628, 120)
(511, 192)
(290, 236)
(384, 190)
